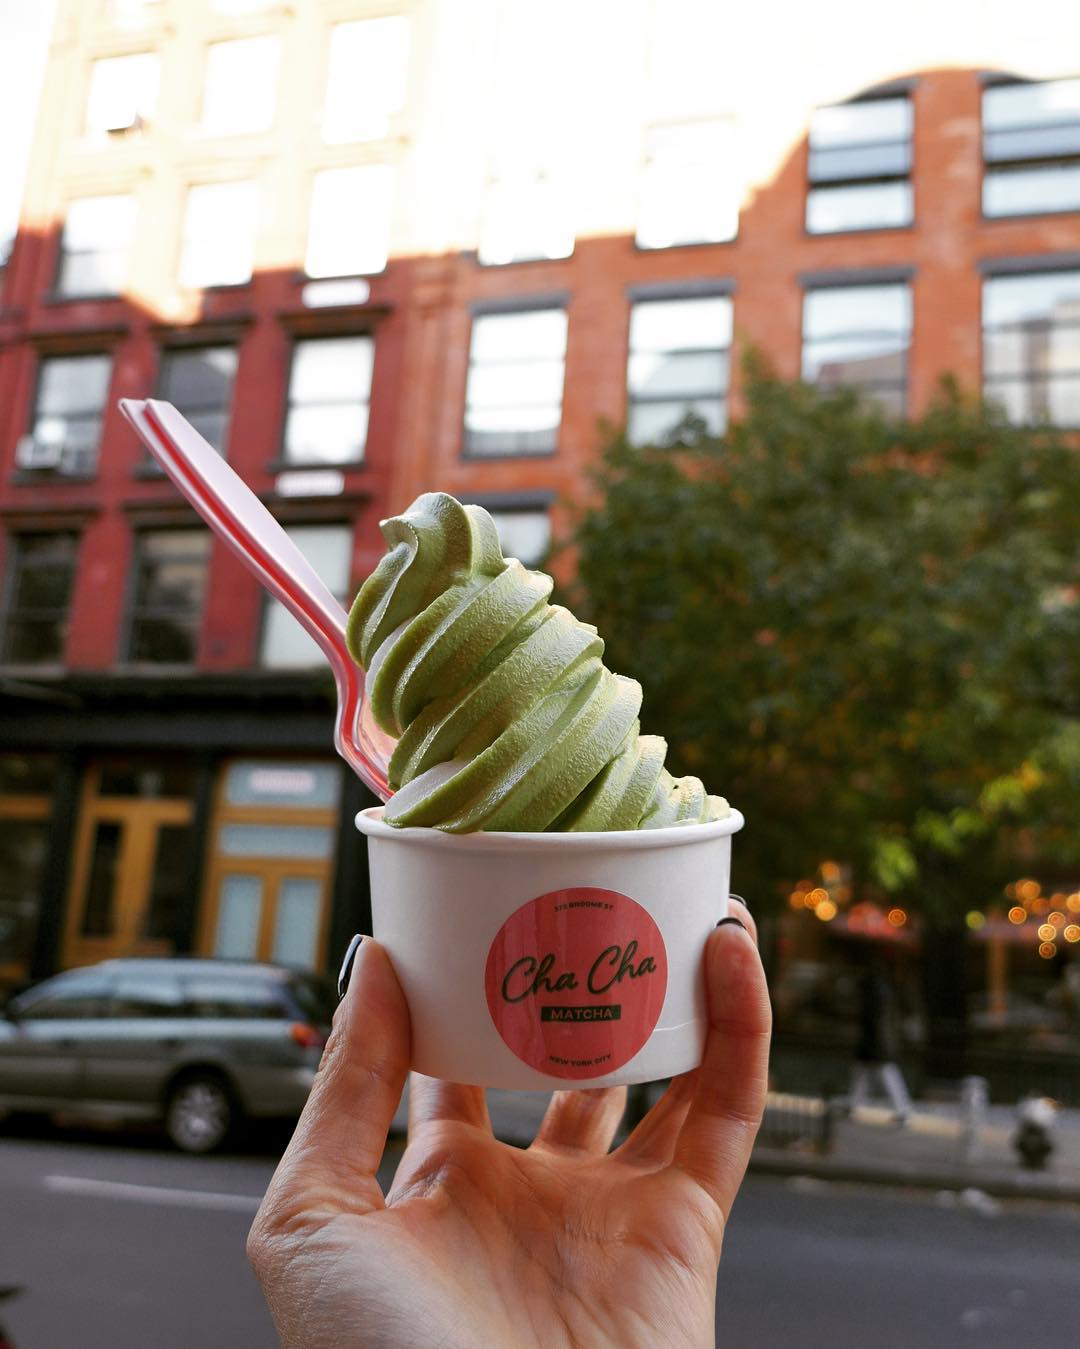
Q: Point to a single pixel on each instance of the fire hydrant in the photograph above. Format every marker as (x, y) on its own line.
(1034, 1139)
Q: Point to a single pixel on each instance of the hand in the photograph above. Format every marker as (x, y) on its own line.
(483, 1245)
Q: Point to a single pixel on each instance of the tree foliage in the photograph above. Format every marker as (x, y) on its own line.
(863, 632)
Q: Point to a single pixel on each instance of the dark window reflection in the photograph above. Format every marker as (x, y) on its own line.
(171, 875)
(43, 569)
(168, 589)
(198, 381)
(23, 850)
(99, 913)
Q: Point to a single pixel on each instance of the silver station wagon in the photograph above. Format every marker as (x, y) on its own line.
(197, 1044)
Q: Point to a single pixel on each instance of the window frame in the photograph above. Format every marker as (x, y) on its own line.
(283, 464)
(59, 474)
(864, 180)
(12, 574)
(665, 296)
(211, 131)
(257, 204)
(58, 292)
(1041, 267)
(148, 466)
(537, 304)
(1016, 165)
(834, 283)
(132, 610)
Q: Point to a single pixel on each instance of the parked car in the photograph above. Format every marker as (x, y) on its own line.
(197, 1044)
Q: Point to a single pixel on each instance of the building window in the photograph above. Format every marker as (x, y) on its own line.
(199, 382)
(66, 424)
(859, 166)
(26, 784)
(526, 214)
(167, 591)
(134, 13)
(1031, 346)
(859, 336)
(96, 242)
(524, 533)
(689, 186)
(1031, 148)
(40, 573)
(123, 93)
(285, 644)
(241, 86)
(366, 78)
(513, 400)
(679, 358)
(218, 246)
(329, 392)
(351, 214)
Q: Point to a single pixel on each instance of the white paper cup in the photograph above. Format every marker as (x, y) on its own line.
(535, 961)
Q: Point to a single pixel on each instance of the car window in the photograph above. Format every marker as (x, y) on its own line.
(313, 997)
(235, 998)
(64, 999)
(146, 995)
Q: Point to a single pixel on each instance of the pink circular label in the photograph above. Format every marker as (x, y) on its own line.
(575, 981)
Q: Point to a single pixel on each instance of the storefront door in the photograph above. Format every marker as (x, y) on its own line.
(131, 847)
(268, 889)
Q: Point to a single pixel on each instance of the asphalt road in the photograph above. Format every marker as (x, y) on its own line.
(124, 1245)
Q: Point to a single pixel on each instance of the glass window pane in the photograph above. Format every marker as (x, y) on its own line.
(331, 369)
(200, 382)
(878, 119)
(66, 998)
(1054, 187)
(525, 219)
(887, 160)
(309, 784)
(136, 996)
(861, 206)
(328, 548)
(1013, 105)
(122, 90)
(170, 582)
(653, 423)
(239, 914)
(27, 774)
(350, 222)
(276, 840)
(857, 309)
(150, 777)
(99, 912)
(513, 337)
(512, 430)
(241, 85)
(92, 273)
(366, 78)
(508, 385)
(655, 374)
(218, 234)
(69, 384)
(296, 931)
(169, 883)
(689, 191)
(524, 534)
(1044, 142)
(335, 434)
(24, 848)
(234, 996)
(681, 325)
(1046, 296)
(99, 223)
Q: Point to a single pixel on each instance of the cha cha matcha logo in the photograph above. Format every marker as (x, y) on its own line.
(575, 981)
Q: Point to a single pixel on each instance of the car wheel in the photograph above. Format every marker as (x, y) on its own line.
(200, 1114)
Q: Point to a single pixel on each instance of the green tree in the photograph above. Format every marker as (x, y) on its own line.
(863, 632)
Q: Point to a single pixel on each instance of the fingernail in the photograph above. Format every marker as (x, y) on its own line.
(346, 966)
(737, 921)
(738, 899)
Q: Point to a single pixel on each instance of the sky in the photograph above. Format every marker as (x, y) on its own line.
(25, 26)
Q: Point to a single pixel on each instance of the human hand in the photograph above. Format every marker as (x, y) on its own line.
(482, 1245)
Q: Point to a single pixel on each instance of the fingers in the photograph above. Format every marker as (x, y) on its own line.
(330, 1163)
(431, 1101)
(582, 1121)
(652, 1142)
(738, 909)
(713, 1145)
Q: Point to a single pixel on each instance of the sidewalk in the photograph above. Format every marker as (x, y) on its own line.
(933, 1151)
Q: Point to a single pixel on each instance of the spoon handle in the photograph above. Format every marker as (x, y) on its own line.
(241, 520)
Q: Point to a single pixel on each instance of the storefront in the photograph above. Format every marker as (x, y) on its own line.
(212, 819)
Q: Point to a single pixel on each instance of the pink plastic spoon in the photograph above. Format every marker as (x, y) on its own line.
(235, 513)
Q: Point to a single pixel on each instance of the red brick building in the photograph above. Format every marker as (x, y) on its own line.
(360, 248)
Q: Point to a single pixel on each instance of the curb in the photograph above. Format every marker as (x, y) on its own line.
(1002, 1184)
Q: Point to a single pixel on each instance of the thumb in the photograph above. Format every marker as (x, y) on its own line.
(330, 1163)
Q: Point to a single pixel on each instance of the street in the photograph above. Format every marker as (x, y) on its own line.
(121, 1244)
